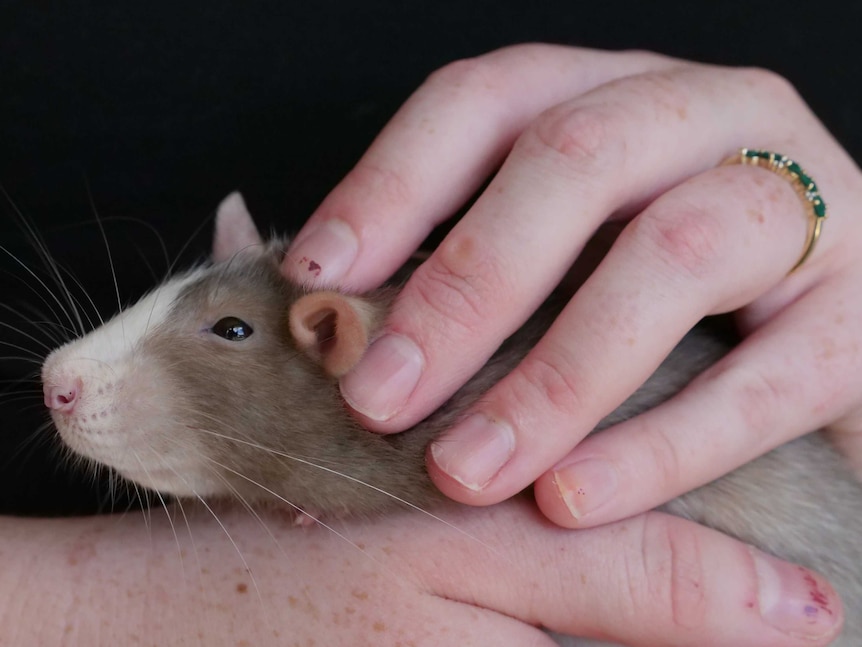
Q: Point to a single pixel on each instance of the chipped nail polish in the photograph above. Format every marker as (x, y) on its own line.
(325, 255)
(793, 599)
(586, 485)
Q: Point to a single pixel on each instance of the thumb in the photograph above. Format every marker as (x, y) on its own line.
(650, 580)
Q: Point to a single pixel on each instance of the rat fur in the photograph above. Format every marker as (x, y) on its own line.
(177, 396)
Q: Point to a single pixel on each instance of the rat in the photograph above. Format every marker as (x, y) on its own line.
(223, 383)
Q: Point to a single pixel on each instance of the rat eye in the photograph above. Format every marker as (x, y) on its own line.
(232, 329)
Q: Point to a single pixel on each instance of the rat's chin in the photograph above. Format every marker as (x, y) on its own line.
(140, 463)
(174, 481)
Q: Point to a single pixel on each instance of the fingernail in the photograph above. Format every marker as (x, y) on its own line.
(474, 451)
(794, 600)
(587, 485)
(325, 255)
(382, 382)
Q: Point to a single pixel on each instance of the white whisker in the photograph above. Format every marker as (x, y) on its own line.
(354, 480)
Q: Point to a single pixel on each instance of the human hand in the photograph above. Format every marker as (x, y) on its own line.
(585, 137)
(489, 578)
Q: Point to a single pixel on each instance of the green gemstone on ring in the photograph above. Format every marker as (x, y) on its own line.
(819, 207)
(779, 162)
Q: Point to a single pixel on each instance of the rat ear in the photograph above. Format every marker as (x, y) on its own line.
(234, 228)
(333, 329)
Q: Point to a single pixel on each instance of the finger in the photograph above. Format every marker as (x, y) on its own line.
(689, 253)
(605, 151)
(779, 384)
(436, 152)
(650, 580)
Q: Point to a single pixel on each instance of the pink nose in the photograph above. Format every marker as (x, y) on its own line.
(64, 396)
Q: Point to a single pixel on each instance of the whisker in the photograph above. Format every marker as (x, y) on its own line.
(16, 329)
(84, 291)
(21, 358)
(167, 514)
(317, 520)
(56, 299)
(354, 480)
(206, 221)
(110, 257)
(42, 250)
(28, 444)
(39, 325)
(54, 318)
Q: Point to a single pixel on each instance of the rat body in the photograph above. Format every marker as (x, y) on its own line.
(223, 383)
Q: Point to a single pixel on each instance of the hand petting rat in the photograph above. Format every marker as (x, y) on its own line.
(222, 383)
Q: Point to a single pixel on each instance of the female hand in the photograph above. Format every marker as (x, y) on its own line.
(582, 137)
(406, 579)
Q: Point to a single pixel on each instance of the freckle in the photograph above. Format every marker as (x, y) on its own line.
(630, 341)
(379, 626)
(242, 587)
(69, 629)
(462, 251)
(359, 595)
(292, 601)
(103, 414)
(360, 545)
(682, 112)
(756, 216)
(349, 610)
(583, 579)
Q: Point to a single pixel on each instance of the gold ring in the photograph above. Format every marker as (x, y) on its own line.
(802, 183)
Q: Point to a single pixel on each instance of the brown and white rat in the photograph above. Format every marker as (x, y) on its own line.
(222, 383)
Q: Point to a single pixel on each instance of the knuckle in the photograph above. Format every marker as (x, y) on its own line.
(658, 85)
(769, 82)
(550, 378)
(673, 568)
(466, 73)
(391, 185)
(757, 396)
(460, 281)
(585, 138)
(687, 237)
(665, 458)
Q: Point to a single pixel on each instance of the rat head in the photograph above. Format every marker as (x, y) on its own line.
(217, 381)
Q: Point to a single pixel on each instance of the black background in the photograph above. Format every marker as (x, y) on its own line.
(152, 112)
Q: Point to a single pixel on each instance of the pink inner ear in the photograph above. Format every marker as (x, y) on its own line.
(234, 228)
(330, 330)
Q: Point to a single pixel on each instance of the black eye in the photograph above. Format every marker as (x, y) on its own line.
(232, 329)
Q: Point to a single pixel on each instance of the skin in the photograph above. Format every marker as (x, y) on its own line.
(582, 137)
(406, 580)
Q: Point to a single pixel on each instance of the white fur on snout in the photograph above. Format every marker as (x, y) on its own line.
(123, 407)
